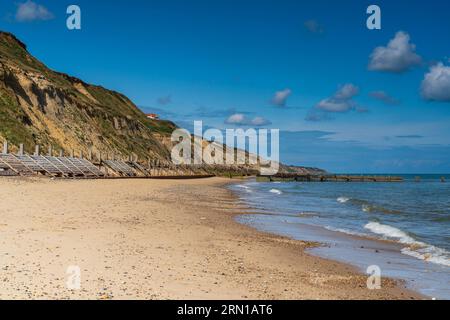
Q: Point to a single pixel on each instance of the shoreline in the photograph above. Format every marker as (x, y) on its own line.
(357, 249)
(158, 239)
(318, 247)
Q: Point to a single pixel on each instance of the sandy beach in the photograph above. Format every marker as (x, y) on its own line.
(156, 239)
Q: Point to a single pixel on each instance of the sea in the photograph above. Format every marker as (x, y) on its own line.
(401, 229)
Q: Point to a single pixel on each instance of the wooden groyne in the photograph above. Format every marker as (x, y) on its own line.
(71, 166)
(328, 178)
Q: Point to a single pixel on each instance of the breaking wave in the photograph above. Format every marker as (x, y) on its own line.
(417, 249)
(366, 206)
(246, 188)
(342, 199)
(276, 191)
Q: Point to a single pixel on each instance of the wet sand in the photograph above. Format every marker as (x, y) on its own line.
(156, 239)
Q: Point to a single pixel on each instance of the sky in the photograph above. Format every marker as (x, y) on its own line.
(345, 98)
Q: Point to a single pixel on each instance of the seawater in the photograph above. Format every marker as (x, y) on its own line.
(414, 214)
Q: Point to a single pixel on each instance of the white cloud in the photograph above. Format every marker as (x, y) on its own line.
(346, 92)
(398, 56)
(280, 97)
(436, 84)
(31, 11)
(237, 118)
(341, 101)
(332, 105)
(241, 119)
(260, 121)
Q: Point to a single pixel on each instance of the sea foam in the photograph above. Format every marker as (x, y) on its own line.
(342, 199)
(276, 191)
(390, 232)
(246, 188)
(416, 249)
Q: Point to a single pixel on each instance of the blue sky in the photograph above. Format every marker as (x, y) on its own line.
(310, 69)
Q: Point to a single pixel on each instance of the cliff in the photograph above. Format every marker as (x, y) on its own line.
(41, 106)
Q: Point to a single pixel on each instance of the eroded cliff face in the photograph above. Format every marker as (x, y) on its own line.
(48, 108)
(40, 106)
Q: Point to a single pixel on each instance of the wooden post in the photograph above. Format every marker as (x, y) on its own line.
(81, 154)
(20, 149)
(90, 154)
(36, 150)
(5, 147)
(50, 151)
(71, 153)
(61, 153)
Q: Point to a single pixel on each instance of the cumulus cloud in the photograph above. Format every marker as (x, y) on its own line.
(242, 120)
(260, 121)
(398, 56)
(384, 97)
(237, 118)
(436, 84)
(346, 92)
(341, 101)
(30, 11)
(165, 100)
(204, 112)
(280, 97)
(313, 26)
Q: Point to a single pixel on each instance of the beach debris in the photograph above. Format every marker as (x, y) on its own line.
(105, 297)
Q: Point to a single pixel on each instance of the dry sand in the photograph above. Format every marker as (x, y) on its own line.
(155, 239)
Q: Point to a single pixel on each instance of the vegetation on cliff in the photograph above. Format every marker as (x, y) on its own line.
(41, 106)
